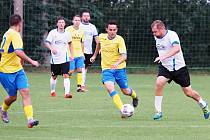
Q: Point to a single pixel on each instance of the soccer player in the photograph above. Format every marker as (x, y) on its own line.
(113, 63)
(172, 67)
(90, 32)
(12, 75)
(78, 48)
(59, 42)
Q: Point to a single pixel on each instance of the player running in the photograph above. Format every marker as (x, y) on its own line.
(113, 63)
(90, 32)
(58, 41)
(172, 67)
(78, 48)
(12, 75)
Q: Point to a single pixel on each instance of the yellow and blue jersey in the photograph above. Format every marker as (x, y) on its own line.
(77, 40)
(111, 51)
(10, 62)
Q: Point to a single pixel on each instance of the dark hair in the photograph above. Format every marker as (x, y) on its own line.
(158, 23)
(85, 11)
(60, 18)
(76, 16)
(14, 20)
(111, 22)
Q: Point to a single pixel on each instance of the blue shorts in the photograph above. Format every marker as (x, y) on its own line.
(78, 62)
(14, 81)
(119, 76)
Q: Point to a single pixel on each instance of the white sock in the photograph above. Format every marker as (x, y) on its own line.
(66, 83)
(158, 103)
(52, 84)
(83, 76)
(201, 103)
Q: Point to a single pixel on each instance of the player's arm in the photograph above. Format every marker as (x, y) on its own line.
(48, 45)
(122, 58)
(71, 51)
(175, 49)
(98, 47)
(122, 52)
(22, 55)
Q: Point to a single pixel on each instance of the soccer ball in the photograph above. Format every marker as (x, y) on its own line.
(127, 110)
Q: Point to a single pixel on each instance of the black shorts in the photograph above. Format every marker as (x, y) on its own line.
(180, 76)
(60, 69)
(87, 60)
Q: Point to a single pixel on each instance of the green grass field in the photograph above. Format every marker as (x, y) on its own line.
(93, 116)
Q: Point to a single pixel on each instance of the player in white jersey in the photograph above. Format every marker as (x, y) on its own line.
(58, 41)
(90, 33)
(172, 67)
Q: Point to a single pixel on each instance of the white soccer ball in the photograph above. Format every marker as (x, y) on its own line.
(127, 110)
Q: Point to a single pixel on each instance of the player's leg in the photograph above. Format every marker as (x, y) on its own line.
(55, 70)
(182, 78)
(23, 87)
(8, 82)
(79, 66)
(159, 85)
(163, 77)
(108, 80)
(195, 95)
(66, 80)
(122, 81)
(84, 70)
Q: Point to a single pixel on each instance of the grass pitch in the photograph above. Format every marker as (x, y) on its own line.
(93, 116)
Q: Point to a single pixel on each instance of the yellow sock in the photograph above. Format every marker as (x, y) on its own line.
(5, 107)
(79, 78)
(28, 111)
(116, 99)
(133, 94)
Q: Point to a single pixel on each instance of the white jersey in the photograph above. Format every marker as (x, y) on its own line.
(164, 45)
(90, 31)
(60, 42)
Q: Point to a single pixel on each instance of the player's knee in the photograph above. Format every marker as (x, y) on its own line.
(13, 98)
(54, 77)
(159, 85)
(188, 92)
(79, 70)
(66, 76)
(125, 91)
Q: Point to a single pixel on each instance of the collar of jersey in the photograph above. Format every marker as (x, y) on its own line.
(164, 34)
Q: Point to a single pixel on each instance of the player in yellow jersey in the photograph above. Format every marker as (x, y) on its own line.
(113, 63)
(78, 48)
(12, 75)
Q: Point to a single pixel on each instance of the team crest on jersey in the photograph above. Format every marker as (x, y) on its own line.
(160, 47)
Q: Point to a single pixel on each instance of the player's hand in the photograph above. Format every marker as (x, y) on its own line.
(53, 50)
(71, 58)
(92, 59)
(35, 63)
(114, 66)
(159, 59)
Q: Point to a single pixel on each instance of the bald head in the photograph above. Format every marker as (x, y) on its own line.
(158, 28)
(158, 24)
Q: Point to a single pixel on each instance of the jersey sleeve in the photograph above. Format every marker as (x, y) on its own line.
(49, 37)
(95, 32)
(17, 42)
(83, 36)
(174, 39)
(69, 37)
(122, 47)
